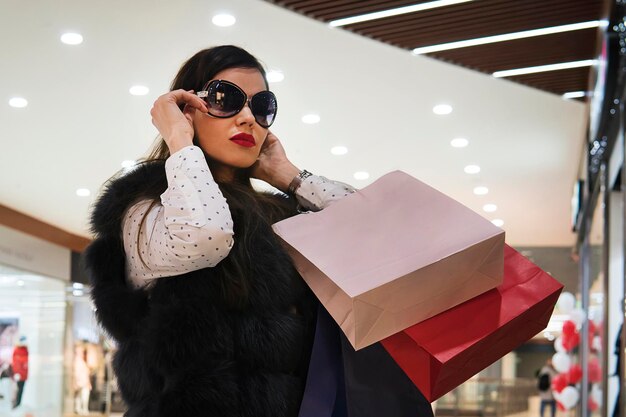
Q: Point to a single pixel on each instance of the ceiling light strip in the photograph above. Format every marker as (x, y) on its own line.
(394, 12)
(508, 37)
(545, 68)
(575, 94)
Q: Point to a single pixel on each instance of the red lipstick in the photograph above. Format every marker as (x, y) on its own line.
(244, 139)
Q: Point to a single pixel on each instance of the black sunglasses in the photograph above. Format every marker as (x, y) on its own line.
(225, 99)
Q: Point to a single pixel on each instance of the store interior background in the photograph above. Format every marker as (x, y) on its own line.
(375, 99)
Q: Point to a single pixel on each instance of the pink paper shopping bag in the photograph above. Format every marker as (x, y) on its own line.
(393, 254)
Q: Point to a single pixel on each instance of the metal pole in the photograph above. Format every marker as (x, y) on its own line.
(585, 259)
(606, 194)
(622, 359)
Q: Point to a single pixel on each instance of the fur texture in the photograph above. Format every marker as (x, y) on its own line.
(183, 349)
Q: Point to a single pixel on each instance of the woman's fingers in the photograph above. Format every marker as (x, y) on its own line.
(188, 98)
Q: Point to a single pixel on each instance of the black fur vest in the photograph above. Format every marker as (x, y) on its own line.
(184, 348)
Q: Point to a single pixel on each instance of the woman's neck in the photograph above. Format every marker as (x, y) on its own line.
(222, 173)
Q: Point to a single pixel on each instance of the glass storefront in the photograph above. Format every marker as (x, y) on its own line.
(54, 361)
(32, 330)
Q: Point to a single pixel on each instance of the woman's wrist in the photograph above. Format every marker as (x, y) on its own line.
(283, 175)
(177, 143)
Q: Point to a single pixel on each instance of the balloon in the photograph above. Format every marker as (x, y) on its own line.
(569, 397)
(594, 370)
(561, 361)
(559, 405)
(592, 327)
(566, 302)
(558, 344)
(578, 317)
(595, 315)
(575, 374)
(596, 394)
(569, 327)
(559, 382)
(592, 405)
(570, 341)
(596, 344)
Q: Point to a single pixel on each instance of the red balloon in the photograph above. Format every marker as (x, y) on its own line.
(569, 328)
(570, 341)
(592, 405)
(575, 374)
(592, 328)
(560, 406)
(595, 372)
(590, 341)
(559, 382)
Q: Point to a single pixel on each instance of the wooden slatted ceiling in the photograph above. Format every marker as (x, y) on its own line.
(478, 19)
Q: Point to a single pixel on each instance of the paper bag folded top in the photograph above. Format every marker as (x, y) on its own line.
(393, 254)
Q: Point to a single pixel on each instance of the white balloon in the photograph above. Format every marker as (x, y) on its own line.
(595, 315)
(561, 361)
(569, 397)
(577, 315)
(566, 302)
(596, 394)
(596, 344)
(558, 345)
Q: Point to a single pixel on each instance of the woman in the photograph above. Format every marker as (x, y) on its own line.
(82, 382)
(209, 314)
(20, 369)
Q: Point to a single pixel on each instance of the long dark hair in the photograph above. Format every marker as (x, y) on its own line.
(254, 208)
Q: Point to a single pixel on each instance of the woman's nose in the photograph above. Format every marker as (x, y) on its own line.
(245, 116)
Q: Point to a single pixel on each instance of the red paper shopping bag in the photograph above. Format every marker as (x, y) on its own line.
(446, 350)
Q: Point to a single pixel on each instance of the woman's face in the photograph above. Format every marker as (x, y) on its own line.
(215, 136)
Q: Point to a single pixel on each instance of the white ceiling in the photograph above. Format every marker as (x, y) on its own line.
(81, 122)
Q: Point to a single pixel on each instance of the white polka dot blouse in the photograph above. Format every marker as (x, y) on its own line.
(192, 228)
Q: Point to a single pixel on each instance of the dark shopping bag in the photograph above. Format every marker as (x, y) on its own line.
(342, 382)
(446, 350)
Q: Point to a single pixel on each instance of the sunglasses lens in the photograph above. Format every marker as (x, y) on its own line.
(224, 100)
(264, 107)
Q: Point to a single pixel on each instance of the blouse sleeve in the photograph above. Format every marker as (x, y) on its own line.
(190, 229)
(316, 192)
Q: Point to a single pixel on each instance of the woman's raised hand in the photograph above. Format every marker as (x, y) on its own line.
(273, 166)
(174, 125)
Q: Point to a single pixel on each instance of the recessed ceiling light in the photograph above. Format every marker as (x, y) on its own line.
(139, 90)
(459, 142)
(394, 12)
(275, 76)
(442, 109)
(223, 20)
(18, 102)
(507, 37)
(481, 190)
(71, 38)
(20, 283)
(82, 192)
(77, 293)
(128, 164)
(498, 222)
(77, 286)
(361, 175)
(575, 94)
(472, 169)
(339, 150)
(311, 118)
(490, 208)
(545, 68)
